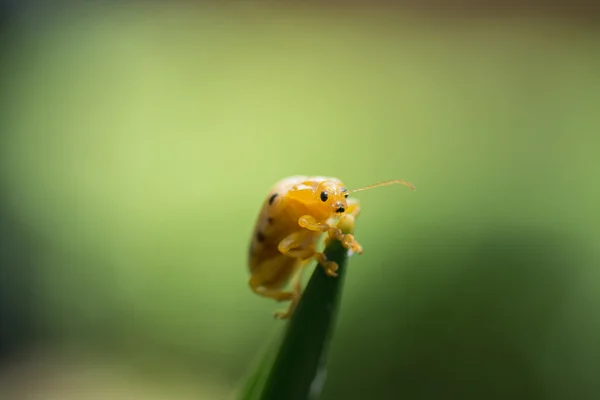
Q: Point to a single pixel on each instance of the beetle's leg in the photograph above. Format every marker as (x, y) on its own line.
(296, 292)
(269, 277)
(331, 267)
(347, 240)
(279, 295)
(298, 245)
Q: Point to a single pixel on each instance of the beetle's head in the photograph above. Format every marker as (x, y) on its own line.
(331, 198)
(327, 198)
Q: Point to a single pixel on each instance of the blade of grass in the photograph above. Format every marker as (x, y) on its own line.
(299, 370)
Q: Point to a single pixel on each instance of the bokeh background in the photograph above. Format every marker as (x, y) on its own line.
(138, 141)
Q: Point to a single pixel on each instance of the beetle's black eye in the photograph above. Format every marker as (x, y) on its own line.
(340, 210)
(346, 196)
(324, 196)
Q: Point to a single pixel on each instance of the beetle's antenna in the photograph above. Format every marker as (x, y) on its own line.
(392, 182)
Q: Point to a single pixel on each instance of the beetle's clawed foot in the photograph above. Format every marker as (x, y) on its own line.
(284, 296)
(351, 244)
(282, 314)
(331, 268)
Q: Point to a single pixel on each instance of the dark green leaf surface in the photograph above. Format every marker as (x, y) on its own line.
(299, 370)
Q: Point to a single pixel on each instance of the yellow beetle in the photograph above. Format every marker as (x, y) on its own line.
(294, 216)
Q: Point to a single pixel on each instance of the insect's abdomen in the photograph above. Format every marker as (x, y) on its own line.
(274, 269)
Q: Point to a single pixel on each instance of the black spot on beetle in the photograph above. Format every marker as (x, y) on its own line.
(340, 210)
(272, 198)
(260, 237)
(324, 196)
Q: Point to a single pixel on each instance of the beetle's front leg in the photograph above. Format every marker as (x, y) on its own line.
(347, 239)
(298, 245)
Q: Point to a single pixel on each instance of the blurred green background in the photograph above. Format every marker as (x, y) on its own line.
(139, 142)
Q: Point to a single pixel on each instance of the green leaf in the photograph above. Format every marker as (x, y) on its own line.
(299, 369)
